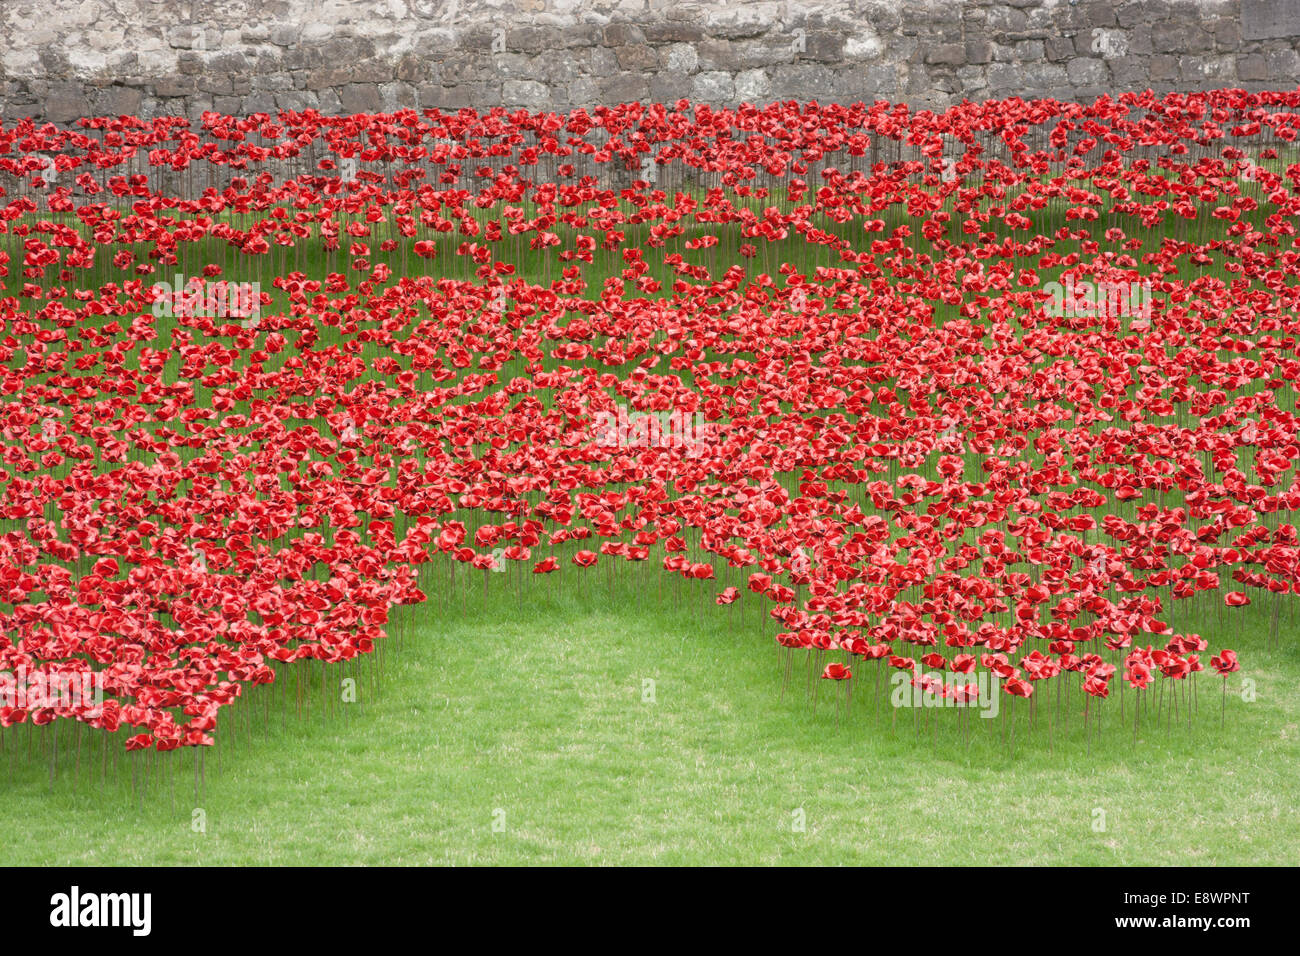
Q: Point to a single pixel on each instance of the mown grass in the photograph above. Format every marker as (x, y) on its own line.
(529, 708)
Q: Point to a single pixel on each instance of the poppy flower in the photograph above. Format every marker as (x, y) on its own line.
(1225, 662)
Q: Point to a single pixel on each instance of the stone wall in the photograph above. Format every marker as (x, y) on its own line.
(60, 59)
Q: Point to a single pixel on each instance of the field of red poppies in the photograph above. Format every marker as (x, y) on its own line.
(1000, 399)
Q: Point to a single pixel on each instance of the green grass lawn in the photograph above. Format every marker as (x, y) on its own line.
(532, 712)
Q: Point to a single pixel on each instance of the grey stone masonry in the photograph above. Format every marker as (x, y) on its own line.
(62, 59)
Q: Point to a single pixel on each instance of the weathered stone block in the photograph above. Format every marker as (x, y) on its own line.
(1163, 67)
(1030, 51)
(297, 100)
(1059, 49)
(638, 57)
(948, 54)
(261, 103)
(1006, 20)
(580, 35)
(1179, 36)
(602, 62)
(801, 81)
(225, 104)
(680, 58)
(1208, 71)
(412, 68)
(1101, 13)
(394, 96)
(750, 20)
(582, 91)
(878, 81)
(467, 94)
(623, 33)
(285, 34)
(624, 88)
(823, 48)
(1269, 19)
(713, 86)
(119, 101)
(466, 68)
(717, 55)
(1227, 33)
(532, 39)
(527, 93)
(1129, 72)
(979, 51)
(672, 32)
(1087, 72)
(753, 86)
(668, 86)
(169, 86)
(1252, 66)
(1283, 66)
(865, 44)
(1139, 12)
(360, 98)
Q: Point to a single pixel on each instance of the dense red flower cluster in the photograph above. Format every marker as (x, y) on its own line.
(899, 438)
